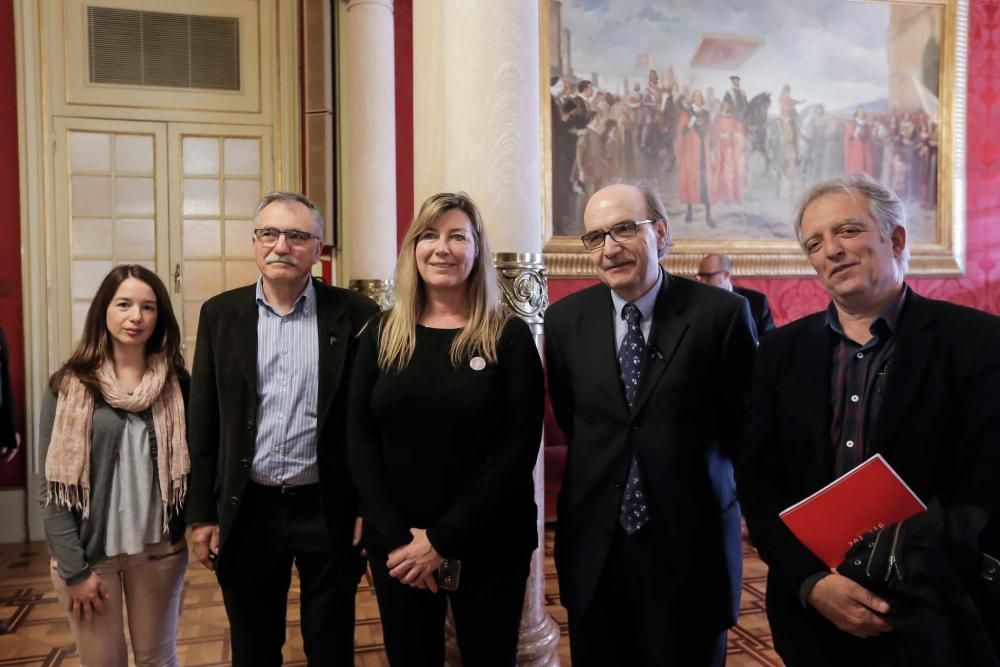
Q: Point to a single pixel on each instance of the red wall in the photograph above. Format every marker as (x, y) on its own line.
(11, 474)
(793, 298)
(403, 29)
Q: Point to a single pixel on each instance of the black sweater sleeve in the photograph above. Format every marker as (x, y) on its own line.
(760, 479)
(365, 450)
(203, 426)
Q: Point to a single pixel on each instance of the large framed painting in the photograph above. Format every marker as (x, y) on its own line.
(731, 109)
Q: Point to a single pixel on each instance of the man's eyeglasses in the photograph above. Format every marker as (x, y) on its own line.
(705, 275)
(623, 231)
(294, 237)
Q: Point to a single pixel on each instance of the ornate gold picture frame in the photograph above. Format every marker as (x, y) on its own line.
(830, 87)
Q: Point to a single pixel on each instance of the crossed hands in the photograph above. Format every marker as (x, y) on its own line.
(416, 563)
(850, 606)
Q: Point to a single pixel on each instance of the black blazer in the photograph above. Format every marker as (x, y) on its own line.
(939, 428)
(683, 428)
(760, 310)
(222, 426)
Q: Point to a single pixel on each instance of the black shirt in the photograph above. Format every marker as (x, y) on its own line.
(448, 448)
(858, 375)
(857, 381)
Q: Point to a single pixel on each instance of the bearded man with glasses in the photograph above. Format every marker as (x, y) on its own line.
(647, 374)
(269, 484)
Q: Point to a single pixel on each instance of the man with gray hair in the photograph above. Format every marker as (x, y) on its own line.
(269, 483)
(647, 377)
(884, 371)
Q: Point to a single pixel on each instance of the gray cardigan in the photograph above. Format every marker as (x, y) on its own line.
(77, 543)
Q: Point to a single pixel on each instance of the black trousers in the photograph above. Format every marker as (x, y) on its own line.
(486, 608)
(271, 532)
(634, 618)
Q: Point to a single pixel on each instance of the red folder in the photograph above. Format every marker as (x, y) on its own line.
(833, 519)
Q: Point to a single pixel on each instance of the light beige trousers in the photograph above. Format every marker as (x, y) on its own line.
(149, 586)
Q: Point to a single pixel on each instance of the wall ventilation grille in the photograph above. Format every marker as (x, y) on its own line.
(139, 48)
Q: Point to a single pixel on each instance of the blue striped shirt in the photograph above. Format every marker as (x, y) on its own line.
(287, 385)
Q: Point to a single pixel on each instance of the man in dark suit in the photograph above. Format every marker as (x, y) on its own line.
(717, 269)
(881, 370)
(269, 483)
(10, 439)
(647, 374)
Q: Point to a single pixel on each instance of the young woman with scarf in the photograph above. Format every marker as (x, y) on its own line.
(114, 442)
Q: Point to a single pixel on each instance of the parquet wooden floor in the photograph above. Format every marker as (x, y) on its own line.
(39, 634)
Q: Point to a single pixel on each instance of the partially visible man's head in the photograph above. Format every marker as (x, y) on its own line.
(629, 266)
(556, 86)
(853, 230)
(716, 269)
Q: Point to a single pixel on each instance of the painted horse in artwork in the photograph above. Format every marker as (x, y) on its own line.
(758, 169)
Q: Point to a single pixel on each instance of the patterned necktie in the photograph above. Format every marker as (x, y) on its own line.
(634, 513)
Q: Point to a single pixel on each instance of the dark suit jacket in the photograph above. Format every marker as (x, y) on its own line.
(682, 429)
(8, 422)
(760, 310)
(222, 424)
(939, 428)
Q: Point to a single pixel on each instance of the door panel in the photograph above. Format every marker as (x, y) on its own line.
(111, 208)
(218, 173)
(176, 198)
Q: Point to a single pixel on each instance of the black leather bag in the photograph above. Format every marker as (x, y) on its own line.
(930, 571)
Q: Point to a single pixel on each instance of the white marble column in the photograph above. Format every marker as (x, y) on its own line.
(477, 128)
(477, 112)
(367, 104)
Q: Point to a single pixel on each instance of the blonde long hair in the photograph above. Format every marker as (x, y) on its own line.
(398, 334)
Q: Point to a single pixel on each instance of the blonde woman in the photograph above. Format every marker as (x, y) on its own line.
(444, 427)
(113, 437)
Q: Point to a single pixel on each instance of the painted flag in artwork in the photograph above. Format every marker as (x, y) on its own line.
(724, 51)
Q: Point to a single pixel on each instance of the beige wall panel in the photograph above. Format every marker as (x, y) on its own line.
(70, 59)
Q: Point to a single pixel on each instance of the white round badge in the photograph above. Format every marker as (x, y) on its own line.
(477, 363)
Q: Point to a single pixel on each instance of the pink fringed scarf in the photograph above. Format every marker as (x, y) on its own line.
(67, 465)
